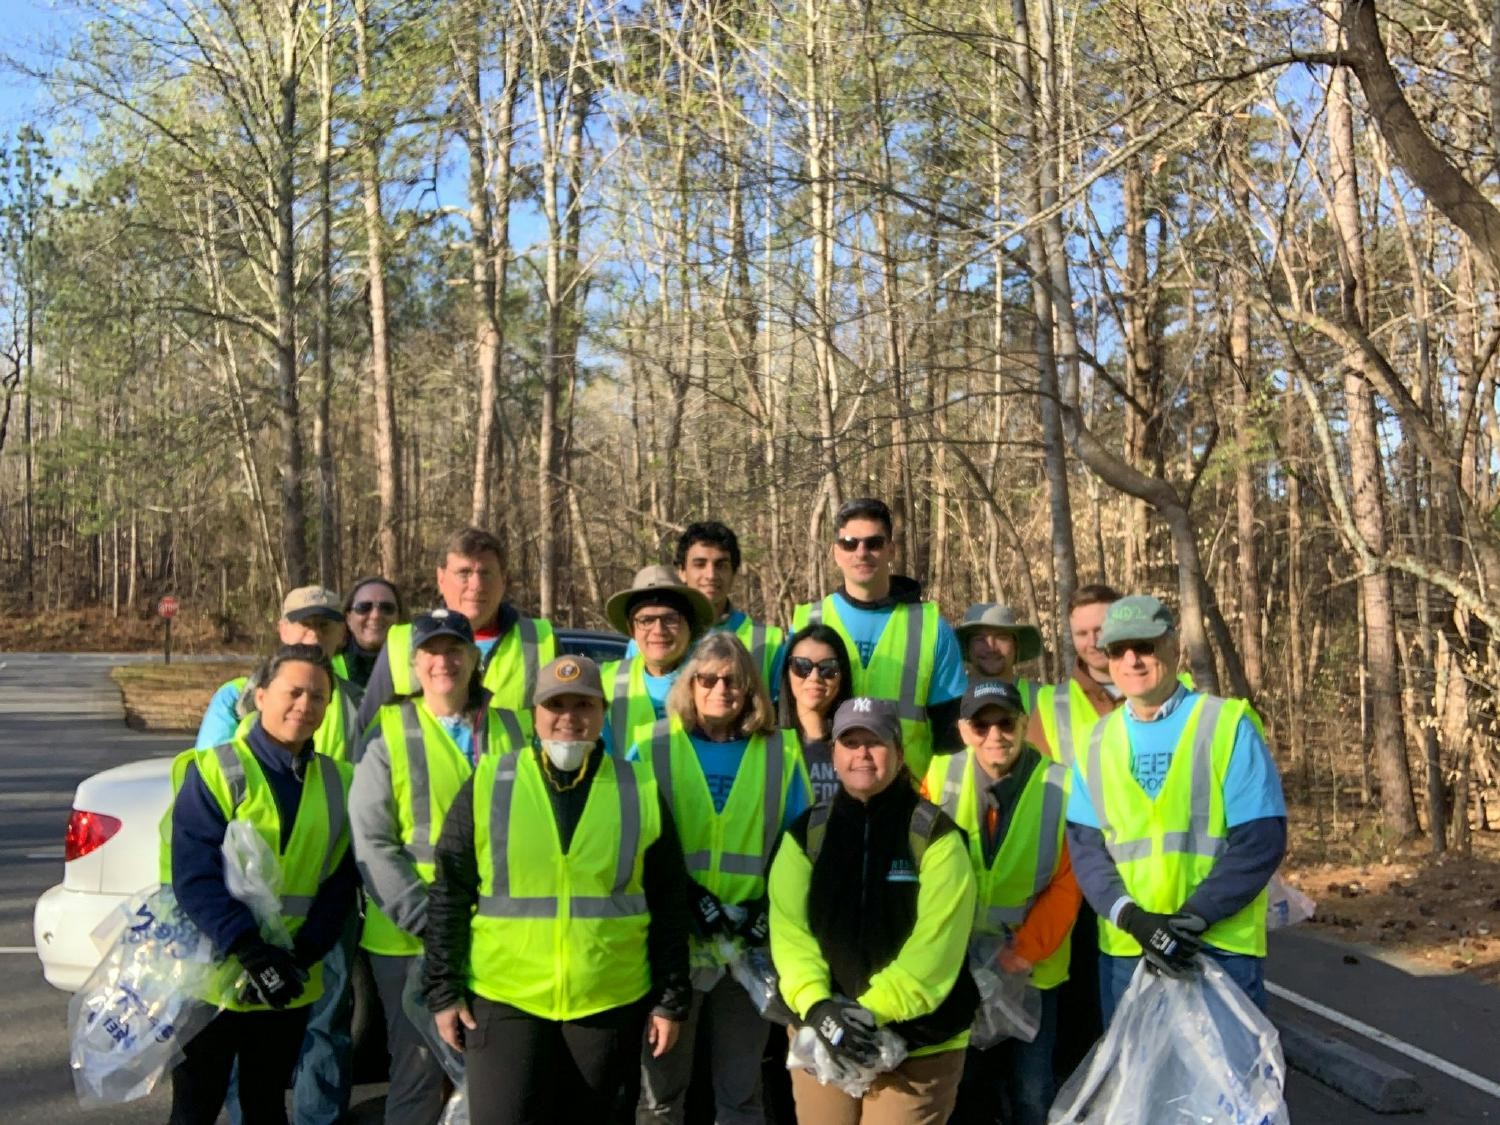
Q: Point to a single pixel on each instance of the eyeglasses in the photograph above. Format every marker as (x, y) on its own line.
(851, 543)
(1004, 724)
(803, 667)
(666, 622)
(710, 680)
(1141, 648)
(363, 608)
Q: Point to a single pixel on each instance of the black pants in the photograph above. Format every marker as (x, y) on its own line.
(266, 1043)
(1079, 1023)
(520, 1069)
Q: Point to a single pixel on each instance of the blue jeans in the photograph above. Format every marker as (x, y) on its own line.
(1011, 1082)
(1246, 971)
(325, 1069)
(325, 1074)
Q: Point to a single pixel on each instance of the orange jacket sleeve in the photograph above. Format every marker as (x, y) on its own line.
(1051, 916)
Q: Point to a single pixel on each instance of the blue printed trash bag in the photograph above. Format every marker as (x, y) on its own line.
(142, 1004)
(1190, 1050)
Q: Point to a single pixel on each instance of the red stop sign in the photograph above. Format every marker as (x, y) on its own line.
(167, 607)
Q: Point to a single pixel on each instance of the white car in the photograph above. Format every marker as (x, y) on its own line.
(110, 852)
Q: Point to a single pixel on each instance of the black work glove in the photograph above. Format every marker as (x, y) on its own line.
(275, 977)
(847, 1030)
(755, 926)
(709, 918)
(1169, 942)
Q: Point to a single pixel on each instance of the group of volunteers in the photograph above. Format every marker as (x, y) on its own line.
(556, 855)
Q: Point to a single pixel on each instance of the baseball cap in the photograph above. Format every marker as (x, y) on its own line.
(878, 716)
(306, 602)
(440, 623)
(568, 675)
(1140, 617)
(990, 693)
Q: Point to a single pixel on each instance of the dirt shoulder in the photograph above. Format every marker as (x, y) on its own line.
(172, 697)
(1440, 914)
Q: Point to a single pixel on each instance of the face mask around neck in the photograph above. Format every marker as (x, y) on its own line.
(566, 754)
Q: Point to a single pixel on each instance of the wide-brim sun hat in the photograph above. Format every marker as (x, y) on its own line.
(659, 579)
(988, 615)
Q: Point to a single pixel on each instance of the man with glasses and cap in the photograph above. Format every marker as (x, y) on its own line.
(1176, 820)
(1009, 801)
(310, 615)
(900, 647)
(663, 616)
(994, 641)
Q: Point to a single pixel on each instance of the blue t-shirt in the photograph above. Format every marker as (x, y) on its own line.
(656, 690)
(720, 763)
(460, 728)
(949, 681)
(221, 720)
(1252, 786)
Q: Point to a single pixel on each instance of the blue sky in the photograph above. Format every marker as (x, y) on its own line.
(27, 25)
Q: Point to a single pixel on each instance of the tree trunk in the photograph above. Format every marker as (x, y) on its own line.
(328, 572)
(284, 192)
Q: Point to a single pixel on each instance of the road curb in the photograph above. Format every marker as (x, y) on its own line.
(1357, 1074)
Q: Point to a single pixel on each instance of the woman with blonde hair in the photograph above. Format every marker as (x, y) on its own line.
(733, 781)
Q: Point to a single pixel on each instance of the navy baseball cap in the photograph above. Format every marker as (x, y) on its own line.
(440, 623)
(990, 693)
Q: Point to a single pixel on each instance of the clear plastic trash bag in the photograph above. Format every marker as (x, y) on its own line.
(753, 971)
(708, 960)
(1286, 905)
(1010, 1006)
(143, 1003)
(808, 1052)
(414, 1005)
(1178, 1051)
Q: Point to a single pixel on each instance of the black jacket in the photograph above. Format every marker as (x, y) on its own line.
(861, 914)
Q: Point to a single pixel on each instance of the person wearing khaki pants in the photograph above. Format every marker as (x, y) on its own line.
(872, 904)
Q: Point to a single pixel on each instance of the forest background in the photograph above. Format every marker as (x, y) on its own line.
(1193, 299)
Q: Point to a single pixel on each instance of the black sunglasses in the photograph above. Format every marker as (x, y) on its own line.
(803, 667)
(851, 542)
(1120, 648)
(365, 607)
(1005, 724)
(710, 680)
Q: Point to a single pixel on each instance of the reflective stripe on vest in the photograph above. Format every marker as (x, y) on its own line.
(730, 863)
(1062, 714)
(527, 632)
(911, 661)
(619, 707)
(423, 845)
(1197, 840)
(500, 903)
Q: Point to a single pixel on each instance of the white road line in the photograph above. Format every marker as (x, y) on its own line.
(17, 949)
(1385, 1039)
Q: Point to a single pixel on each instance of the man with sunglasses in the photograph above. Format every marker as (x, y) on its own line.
(1009, 801)
(1176, 820)
(472, 579)
(900, 647)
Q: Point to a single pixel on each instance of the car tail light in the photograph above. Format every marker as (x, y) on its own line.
(87, 831)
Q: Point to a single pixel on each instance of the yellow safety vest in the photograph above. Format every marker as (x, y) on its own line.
(1027, 858)
(900, 668)
(427, 771)
(315, 847)
(727, 851)
(1066, 718)
(1163, 848)
(509, 674)
(763, 642)
(629, 705)
(561, 935)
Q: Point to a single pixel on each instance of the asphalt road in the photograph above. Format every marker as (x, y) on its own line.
(60, 721)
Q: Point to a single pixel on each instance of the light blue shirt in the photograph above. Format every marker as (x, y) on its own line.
(460, 728)
(656, 690)
(720, 763)
(864, 626)
(1252, 785)
(221, 720)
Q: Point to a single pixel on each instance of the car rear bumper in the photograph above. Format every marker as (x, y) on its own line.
(63, 926)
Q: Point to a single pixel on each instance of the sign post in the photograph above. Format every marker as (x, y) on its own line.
(166, 609)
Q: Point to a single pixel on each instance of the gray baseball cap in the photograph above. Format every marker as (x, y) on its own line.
(878, 716)
(987, 615)
(568, 675)
(306, 602)
(1140, 617)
